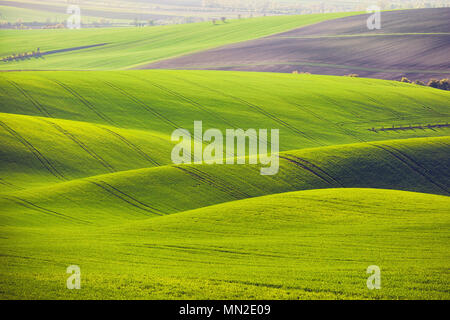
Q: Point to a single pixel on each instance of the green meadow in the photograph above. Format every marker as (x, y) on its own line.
(129, 47)
(87, 179)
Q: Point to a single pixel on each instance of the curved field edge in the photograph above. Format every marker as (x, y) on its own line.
(420, 165)
(303, 245)
(130, 47)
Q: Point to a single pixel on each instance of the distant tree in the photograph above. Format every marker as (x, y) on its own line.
(444, 84)
(405, 80)
(433, 83)
(353, 75)
(419, 83)
(224, 19)
(295, 72)
(214, 20)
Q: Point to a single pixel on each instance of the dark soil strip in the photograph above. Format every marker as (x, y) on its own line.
(83, 146)
(27, 96)
(125, 197)
(44, 161)
(132, 146)
(84, 101)
(45, 53)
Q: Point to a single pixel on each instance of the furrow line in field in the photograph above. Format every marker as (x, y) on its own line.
(313, 167)
(332, 101)
(29, 205)
(190, 101)
(218, 182)
(412, 165)
(259, 110)
(43, 160)
(27, 96)
(125, 197)
(420, 103)
(201, 176)
(344, 130)
(229, 96)
(132, 146)
(84, 101)
(92, 153)
(303, 166)
(396, 114)
(144, 105)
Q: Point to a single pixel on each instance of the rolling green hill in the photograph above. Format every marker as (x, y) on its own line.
(413, 164)
(129, 47)
(87, 179)
(303, 245)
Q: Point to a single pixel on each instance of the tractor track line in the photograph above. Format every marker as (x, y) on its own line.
(132, 146)
(190, 101)
(121, 195)
(211, 90)
(201, 176)
(84, 101)
(29, 205)
(83, 146)
(412, 166)
(43, 160)
(314, 167)
(144, 105)
(27, 96)
(342, 129)
(268, 115)
(303, 166)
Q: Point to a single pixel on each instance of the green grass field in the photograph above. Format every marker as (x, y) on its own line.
(87, 179)
(129, 47)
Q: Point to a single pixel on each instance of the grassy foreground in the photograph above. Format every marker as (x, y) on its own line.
(303, 245)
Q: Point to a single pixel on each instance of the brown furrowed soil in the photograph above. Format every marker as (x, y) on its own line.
(411, 43)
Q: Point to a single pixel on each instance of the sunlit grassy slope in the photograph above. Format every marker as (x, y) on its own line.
(86, 179)
(127, 47)
(413, 164)
(303, 245)
(105, 122)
